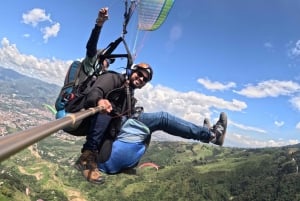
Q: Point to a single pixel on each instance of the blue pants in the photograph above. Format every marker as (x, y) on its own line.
(155, 121)
(99, 123)
(174, 126)
(123, 155)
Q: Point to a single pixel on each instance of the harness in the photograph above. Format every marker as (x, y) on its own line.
(107, 53)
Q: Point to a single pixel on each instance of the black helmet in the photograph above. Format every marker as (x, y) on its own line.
(143, 67)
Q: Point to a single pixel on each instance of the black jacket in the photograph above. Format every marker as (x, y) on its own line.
(109, 85)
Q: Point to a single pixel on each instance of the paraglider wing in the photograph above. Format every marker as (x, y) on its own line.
(152, 13)
(149, 164)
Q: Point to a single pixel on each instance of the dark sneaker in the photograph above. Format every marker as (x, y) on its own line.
(206, 123)
(219, 129)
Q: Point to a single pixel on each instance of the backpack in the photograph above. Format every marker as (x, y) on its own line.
(74, 78)
(72, 96)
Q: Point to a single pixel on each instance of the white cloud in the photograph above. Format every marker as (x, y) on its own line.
(298, 126)
(268, 45)
(37, 15)
(34, 16)
(48, 70)
(174, 35)
(247, 128)
(279, 123)
(295, 101)
(295, 51)
(26, 35)
(191, 105)
(249, 142)
(215, 85)
(51, 31)
(270, 88)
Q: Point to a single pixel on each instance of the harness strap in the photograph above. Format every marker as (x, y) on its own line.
(107, 53)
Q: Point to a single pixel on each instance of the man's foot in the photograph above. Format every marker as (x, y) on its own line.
(88, 165)
(219, 129)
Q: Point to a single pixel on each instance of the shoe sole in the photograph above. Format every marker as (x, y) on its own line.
(223, 118)
(94, 181)
(206, 123)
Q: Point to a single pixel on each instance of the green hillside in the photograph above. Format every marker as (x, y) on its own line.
(188, 171)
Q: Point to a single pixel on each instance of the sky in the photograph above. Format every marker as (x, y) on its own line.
(209, 56)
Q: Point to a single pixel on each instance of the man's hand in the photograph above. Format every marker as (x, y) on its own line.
(105, 105)
(102, 16)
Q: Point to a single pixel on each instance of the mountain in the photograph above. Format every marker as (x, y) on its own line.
(187, 171)
(24, 87)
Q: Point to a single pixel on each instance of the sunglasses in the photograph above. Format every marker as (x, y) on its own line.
(140, 74)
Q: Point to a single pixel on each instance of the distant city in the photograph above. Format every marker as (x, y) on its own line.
(17, 114)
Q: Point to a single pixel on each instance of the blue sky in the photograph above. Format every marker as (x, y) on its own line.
(240, 57)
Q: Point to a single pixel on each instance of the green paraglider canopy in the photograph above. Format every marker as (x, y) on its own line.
(152, 13)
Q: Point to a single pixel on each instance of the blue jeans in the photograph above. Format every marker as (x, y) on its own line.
(99, 123)
(174, 126)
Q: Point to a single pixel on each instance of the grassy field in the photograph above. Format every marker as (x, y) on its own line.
(188, 171)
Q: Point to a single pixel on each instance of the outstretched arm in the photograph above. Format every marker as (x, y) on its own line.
(91, 46)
